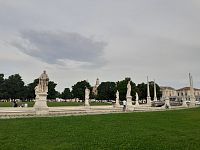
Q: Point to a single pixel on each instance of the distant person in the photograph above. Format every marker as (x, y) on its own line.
(124, 105)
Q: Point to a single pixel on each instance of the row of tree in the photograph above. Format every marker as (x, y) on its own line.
(14, 88)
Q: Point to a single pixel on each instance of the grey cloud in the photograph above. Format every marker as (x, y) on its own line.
(57, 47)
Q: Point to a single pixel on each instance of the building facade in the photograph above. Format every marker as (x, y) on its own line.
(180, 94)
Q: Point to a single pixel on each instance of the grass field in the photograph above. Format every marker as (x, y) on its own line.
(52, 104)
(170, 130)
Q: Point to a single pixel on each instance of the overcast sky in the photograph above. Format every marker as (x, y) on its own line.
(76, 40)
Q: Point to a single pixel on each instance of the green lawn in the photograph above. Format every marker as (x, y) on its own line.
(53, 104)
(9, 104)
(170, 130)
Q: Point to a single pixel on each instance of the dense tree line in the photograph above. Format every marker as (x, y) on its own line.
(14, 88)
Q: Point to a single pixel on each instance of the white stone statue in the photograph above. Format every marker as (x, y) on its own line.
(137, 97)
(43, 82)
(128, 93)
(117, 99)
(117, 95)
(87, 93)
(87, 96)
(36, 92)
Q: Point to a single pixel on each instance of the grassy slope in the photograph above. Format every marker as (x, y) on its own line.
(175, 130)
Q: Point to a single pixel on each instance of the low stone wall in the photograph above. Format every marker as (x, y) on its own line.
(76, 110)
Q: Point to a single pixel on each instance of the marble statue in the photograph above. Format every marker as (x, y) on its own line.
(43, 82)
(137, 99)
(87, 93)
(117, 95)
(87, 96)
(128, 93)
(117, 99)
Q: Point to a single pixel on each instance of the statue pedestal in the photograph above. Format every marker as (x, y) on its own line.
(116, 104)
(167, 104)
(149, 101)
(184, 103)
(137, 103)
(87, 102)
(40, 106)
(192, 102)
(129, 103)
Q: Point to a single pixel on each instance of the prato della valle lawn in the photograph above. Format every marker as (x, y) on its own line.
(167, 130)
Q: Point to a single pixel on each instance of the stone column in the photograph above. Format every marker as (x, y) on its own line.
(155, 94)
(148, 93)
(192, 96)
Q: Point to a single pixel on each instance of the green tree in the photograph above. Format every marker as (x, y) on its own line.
(122, 88)
(151, 87)
(14, 87)
(52, 93)
(106, 91)
(66, 94)
(78, 90)
(142, 90)
(2, 92)
(31, 89)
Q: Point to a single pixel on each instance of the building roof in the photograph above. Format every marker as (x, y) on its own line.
(166, 87)
(186, 89)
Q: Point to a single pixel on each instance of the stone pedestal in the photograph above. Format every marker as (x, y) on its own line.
(129, 102)
(167, 103)
(87, 102)
(192, 102)
(184, 103)
(137, 103)
(40, 106)
(149, 101)
(117, 103)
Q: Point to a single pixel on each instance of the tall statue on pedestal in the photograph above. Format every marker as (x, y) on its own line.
(41, 95)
